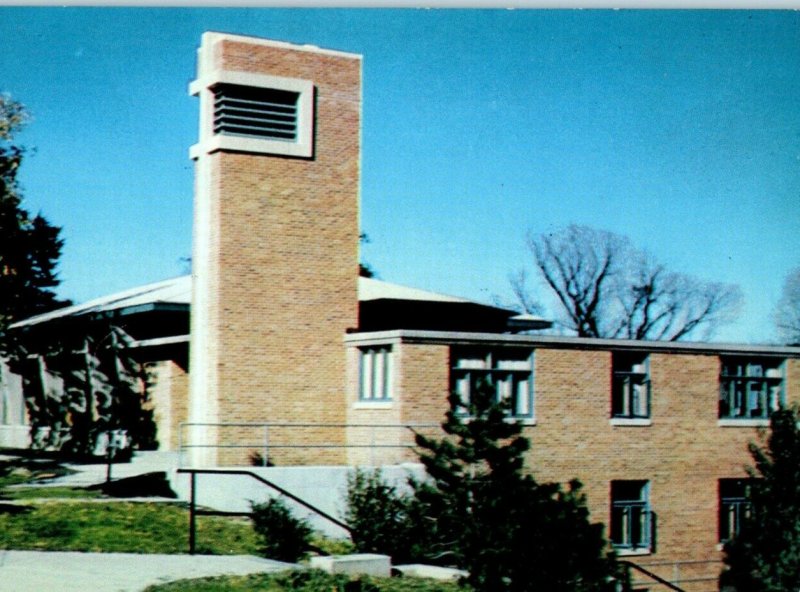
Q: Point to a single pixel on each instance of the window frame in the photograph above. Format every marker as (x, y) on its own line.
(736, 392)
(625, 368)
(730, 522)
(493, 359)
(626, 542)
(385, 354)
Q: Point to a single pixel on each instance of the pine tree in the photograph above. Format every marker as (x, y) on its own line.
(482, 512)
(29, 245)
(765, 555)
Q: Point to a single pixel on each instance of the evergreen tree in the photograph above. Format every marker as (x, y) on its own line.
(482, 512)
(29, 245)
(765, 555)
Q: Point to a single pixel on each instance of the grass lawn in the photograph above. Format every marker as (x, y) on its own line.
(310, 581)
(78, 519)
(122, 527)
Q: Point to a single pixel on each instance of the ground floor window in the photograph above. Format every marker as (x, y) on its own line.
(508, 370)
(631, 516)
(734, 507)
(375, 374)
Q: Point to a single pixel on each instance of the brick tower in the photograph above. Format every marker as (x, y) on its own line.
(275, 255)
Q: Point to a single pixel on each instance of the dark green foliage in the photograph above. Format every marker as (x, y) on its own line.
(29, 245)
(101, 389)
(284, 537)
(494, 520)
(380, 517)
(765, 557)
(481, 512)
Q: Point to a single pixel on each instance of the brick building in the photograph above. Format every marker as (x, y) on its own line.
(283, 332)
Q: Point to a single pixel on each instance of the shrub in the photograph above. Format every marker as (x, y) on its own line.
(379, 516)
(284, 537)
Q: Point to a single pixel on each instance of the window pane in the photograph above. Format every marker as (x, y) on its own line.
(366, 375)
(522, 403)
(507, 369)
(377, 375)
(514, 364)
(472, 363)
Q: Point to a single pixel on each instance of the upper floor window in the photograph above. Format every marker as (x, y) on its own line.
(375, 374)
(508, 370)
(630, 391)
(750, 388)
(734, 507)
(631, 516)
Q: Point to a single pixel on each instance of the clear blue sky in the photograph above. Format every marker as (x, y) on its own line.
(678, 129)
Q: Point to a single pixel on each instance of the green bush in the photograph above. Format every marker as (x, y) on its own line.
(379, 517)
(284, 537)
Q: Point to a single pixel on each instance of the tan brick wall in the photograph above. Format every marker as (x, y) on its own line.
(284, 271)
(682, 454)
(170, 397)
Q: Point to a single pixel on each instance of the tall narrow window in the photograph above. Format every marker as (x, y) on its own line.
(508, 370)
(375, 380)
(630, 396)
(631, 517)
(750, 388)
(734, 507)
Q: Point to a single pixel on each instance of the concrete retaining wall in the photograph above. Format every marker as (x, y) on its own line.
(324, 487)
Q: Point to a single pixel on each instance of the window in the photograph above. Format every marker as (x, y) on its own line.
(631, 517)
(734, 507)
(256, 112)
(509, 370)
(375, 374)
(750, 388)
(630, 398)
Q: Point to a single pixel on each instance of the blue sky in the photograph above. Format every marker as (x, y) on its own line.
(679, 129)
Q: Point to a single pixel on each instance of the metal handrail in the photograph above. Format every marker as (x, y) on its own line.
(194, 512)
(651, 575)
(265, 445)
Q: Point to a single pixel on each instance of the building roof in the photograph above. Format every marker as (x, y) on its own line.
(173, 292)
(177, 293)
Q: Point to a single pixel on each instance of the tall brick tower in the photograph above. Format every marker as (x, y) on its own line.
(275, 256)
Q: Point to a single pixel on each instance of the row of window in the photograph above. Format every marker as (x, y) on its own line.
(749, 388)
(633, 521)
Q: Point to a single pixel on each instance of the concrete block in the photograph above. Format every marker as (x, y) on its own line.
(369, 564)
(434, 572)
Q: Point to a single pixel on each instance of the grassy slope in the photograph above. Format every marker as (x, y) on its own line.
(124, 527)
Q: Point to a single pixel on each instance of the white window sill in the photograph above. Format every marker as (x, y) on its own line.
(630, 421)
(523, 421)
(373, 404)
(632, 552)
(526, 421)
(743, 423)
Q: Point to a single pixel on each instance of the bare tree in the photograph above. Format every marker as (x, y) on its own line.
(607, 288)
(787, 314)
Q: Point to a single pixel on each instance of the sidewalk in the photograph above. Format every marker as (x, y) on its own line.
(32, 571)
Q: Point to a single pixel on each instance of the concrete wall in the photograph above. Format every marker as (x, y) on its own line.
(324, 487)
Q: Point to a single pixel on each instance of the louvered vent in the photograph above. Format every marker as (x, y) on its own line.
(256, 112)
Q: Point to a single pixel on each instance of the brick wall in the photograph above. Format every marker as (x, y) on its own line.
(283, 255)
(683, 453)
(169, 396)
